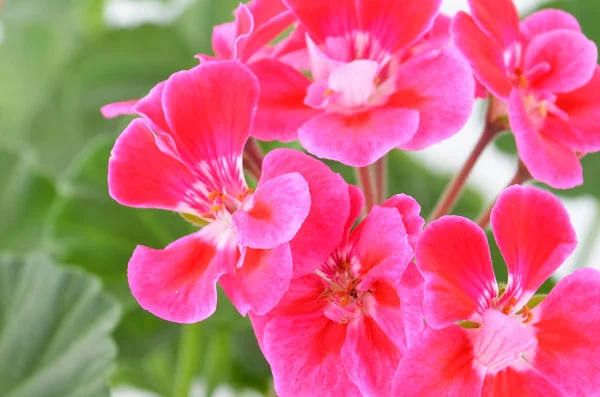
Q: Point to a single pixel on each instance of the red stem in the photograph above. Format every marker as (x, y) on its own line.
(366, 183)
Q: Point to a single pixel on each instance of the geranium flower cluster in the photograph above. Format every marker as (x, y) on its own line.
(348, 291)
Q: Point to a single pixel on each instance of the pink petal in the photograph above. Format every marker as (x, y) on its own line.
(264, 33)
(305, 356)
(582, 105)
(501, 341)
(179, 283)
(323, 228)
(321, 64)
(353, 84)
(382, 246)
(484, 54)
(544, 21)
(534, 234)
(410, 211)
(385, 307)
(394, 25)
(163, 183)
(411, 295)
(357, 202)
(442, 364)
(556, 48)
(117, 109)
(521, 380)
(151, 109)
(498, 18)
(223, 39)
(334, 18)
(281, 109)
(261, 280)
(265, 10)
(370, 357)
(358, 140)
(546, 159)
(567, 324)
(274, 213)
(454, 258)
(444, 100)
(212, 120)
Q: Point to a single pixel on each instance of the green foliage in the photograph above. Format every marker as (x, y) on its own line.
(55, 329)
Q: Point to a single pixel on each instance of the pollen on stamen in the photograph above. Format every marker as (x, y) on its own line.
(509, 306)
(543, 109)
(328, 92)
(216, 208)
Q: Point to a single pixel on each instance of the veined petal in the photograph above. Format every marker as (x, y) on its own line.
(274, 213)
(484, 54)
(179, 283)
(329, 207)
(382, 247)
(556, 48)
(261, 280)
(320, 63)
(454, 258)
(151, 109)
(534, 234)
(210, 110)
(500, 341)
(546, 159)
(264, 33)
(519, 380)
(117, 109)
(410, 210)
(370, 357)
(411, 293)
(353, 84)
(281, 109)
(391, 25)
(498, 18)
(544, 21)
(441, 364)
(305, 356)
(163, 183)
(361, 139)
(566, 324)
(444, 100)
(580, 131)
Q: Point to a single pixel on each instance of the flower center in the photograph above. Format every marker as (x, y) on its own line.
(222, 205)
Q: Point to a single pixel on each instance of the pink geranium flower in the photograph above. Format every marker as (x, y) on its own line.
(487, 340)
(344, 328)
(187, 157)
(370, 91)
(545, 68)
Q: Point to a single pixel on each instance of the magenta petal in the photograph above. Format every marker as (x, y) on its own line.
(410, 211)
(210, 109)
(544, 21)
(501, 341)
(520, 380)
(281, 109)
(499, 18)
(546, 159)
(358, 140)
(454, 258)
(260, 282)
(556, 48)
(274, 213)
(179, 283)
(357, 202)
(223, 39)
(117, 109)
(370, 357)
(444, 100)
(305, 356)
(264, 33)
(441, 364)
(580, 131)
(354, 83)
(134, 181)
(329, 207)
(534, 234)
(320, 63)
(567, 324)
(151, 109)
(411, 295)
(484, 54)
(396, 24)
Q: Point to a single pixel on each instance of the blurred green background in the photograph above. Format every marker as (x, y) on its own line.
(68, 323)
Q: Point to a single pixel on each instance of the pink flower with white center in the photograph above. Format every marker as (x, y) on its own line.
(187, 157)
(487, 340)
(546, 70)
(368, 94)
(344, 328)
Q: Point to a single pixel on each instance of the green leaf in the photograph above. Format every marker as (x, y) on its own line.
(25, 197)
(54, 331)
